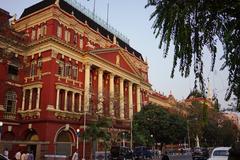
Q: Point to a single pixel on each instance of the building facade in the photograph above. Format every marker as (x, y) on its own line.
(58, 70)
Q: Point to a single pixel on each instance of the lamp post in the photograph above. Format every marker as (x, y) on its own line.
(78, 135)
(84, 128)
(1, 126)
(188, 134)
(131, 138)
(123, 134)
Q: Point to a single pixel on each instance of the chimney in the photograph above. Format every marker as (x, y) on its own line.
(4, 18)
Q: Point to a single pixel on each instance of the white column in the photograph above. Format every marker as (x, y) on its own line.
(57, 99)
(86, 89)
(65, 100)
(73, 101)
(80, 102)
(130, 100)
(111, 92)
(38, 98)
(138, 99)
(100, 90)
(30, 99)
(23, 99)
(121, 98)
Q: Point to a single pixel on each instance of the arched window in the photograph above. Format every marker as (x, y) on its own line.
(64, 143)
(10, 102)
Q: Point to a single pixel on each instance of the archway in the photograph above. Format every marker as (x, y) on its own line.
(64, 142)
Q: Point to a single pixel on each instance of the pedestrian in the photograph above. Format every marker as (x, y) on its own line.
(75, 156)
(30, 156)
(18, 155)
(165, 156)
(23, 156)
(5, 152)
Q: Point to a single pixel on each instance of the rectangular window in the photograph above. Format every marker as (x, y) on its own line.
(60, 68)
(81, 43)
(75, 72)
(67, 36)
(38, 33)
(59, 31)
(75, 39)
(68, 70)
(32, 69)
(33, 34)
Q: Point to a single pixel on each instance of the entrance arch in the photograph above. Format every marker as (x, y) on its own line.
(64, 140)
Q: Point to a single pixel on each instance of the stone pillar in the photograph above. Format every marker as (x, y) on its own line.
(65, 100)
(38, 98)
(23, 99)
(30, 99)
(130, 99)
(73, 101)
(100, 90)
(86, 85)
(111, 95)
(121, 98)
(57, 99)
(138, 99)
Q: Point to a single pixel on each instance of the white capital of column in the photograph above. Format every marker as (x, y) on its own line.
(86, 85)
(121, 98)
(30, 99)
(57, 99)
(138, 99)
(23, 100)
(100, 90)
(111, 91)
(38, 98)
(130, 100)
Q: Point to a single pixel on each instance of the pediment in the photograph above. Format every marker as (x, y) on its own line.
(119, 59)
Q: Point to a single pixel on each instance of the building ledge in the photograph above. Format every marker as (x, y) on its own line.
(30, 114)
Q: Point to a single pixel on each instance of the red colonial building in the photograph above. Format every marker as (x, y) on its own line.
(59, 67)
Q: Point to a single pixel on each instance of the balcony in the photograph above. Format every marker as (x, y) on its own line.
(9, 115)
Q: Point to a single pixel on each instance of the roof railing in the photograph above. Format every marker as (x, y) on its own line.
(97, 19)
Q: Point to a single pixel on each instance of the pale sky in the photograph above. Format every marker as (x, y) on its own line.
(132, 19)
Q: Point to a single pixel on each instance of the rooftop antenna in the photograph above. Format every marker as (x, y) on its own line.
(94, 8)
(107, 12)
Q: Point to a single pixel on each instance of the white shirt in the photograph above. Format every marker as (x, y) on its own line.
(18, 155)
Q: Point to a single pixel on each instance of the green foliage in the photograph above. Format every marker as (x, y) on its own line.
(193, 25)
(153, 120)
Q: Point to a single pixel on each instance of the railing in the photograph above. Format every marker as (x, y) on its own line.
(97, 19)
(9, 115)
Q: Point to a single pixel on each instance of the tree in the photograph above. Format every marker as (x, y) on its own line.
(153, 120)
(194, 25)
(98, 130)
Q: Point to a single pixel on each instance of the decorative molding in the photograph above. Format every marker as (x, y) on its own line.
(30, 114)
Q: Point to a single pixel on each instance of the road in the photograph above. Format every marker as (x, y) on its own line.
(178, 157)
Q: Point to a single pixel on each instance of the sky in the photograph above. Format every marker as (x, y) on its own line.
(131, 18)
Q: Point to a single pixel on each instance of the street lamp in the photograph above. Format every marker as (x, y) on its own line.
(1, 126)
(188, 134)
(84, 128)
(78, 135)
(123, 134)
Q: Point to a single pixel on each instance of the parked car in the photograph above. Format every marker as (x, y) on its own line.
(220, 153)
(2, 157)
(200, 153)
(142, 153)
(121, 153)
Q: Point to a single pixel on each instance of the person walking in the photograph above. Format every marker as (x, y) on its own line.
(5, 152)
(75, 156)
(30, 156)
(165, 156)
(18, 155)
